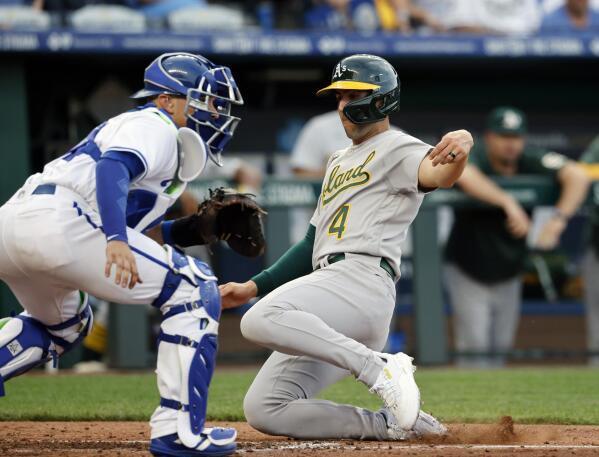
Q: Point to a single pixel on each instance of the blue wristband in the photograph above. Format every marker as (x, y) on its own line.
(167, 235)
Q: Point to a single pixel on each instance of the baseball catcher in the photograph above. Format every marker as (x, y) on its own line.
(102, 205)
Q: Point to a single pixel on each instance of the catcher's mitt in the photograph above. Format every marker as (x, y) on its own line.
(227, 215)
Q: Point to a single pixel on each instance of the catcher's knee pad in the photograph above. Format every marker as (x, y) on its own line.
(26, 343)
(188, 345)
(190, 282)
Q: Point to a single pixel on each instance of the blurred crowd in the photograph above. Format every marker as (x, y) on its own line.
(421, 17)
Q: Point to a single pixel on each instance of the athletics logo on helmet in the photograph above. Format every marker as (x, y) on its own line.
(199, 81)
(366, 72)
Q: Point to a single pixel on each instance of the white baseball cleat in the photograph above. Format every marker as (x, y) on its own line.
(397, 388)
(426, 425)
(394, 431)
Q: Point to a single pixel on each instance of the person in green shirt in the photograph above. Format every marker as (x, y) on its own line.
(590, 264)
(487, 246)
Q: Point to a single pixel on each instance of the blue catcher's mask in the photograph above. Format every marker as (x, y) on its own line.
(210, 91)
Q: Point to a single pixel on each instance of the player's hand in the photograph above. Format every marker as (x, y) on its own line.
(119, 254)
(518, 222)
(454, 147)
(235, 294)
(550, 233)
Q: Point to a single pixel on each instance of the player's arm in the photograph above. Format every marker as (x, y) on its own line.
(162, 232)
(476, 184)
(575, 184)
(574, 187)
(114, 172)
(296, 262)
(445, 163)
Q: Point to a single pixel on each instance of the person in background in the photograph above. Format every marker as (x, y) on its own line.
(590, 264)
(573, 16)
(487, 247)
(157, 9)
(319, 138)
(495, 17)
(360, 15)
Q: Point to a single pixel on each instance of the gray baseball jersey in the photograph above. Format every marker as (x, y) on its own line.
(369, 198)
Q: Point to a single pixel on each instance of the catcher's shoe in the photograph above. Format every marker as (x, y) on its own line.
(426, 425)
(396, 386)
(216, 442)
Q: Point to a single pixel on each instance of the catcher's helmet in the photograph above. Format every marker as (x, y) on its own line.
(198, 79)
(367, 72)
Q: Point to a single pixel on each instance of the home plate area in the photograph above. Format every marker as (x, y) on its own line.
(131, 439)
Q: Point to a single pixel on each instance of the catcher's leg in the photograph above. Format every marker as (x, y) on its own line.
(95, 344)
(79, 264)
(26, 342)
(186, 359)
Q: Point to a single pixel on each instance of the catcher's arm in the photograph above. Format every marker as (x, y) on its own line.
(226, 215)
(183, 232)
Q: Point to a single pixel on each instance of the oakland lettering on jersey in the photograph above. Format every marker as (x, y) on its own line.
(340, 181)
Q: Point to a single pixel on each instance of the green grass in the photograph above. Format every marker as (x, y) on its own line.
(565, 395)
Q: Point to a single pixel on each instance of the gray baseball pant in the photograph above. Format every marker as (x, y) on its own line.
(590, 272)
(323, 327)
(485, 316)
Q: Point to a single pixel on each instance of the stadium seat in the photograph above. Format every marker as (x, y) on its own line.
(108, 18)
(213, 17)
(23, 18)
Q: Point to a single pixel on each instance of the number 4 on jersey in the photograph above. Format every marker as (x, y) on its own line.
(339, 223)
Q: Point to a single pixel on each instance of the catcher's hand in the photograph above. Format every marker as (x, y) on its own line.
(227, 215)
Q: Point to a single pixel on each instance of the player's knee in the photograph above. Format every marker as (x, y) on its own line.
(256, 413)
(254, 325)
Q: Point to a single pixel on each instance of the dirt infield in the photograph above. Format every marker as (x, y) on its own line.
(70, 439)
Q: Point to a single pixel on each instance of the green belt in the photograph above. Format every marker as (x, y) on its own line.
(384, 263)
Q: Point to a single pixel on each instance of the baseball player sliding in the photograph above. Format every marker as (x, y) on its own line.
(91, 223)
(328, 301)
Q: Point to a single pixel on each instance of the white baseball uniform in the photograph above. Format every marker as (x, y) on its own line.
(52, 247)
(56, 239)
(325, 325)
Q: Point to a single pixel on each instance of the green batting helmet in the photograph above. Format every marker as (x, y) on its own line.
(366, 72)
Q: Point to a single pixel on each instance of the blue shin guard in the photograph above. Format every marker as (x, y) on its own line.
(186, 361)
(26, 343)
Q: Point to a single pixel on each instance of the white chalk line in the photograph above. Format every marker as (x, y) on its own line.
(335, 445)
(274, 446)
